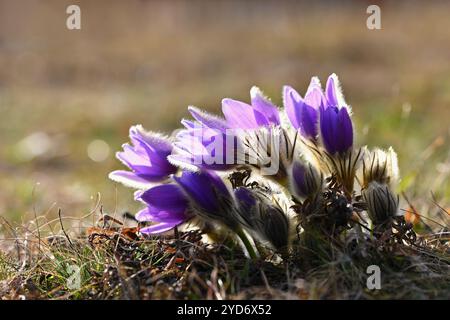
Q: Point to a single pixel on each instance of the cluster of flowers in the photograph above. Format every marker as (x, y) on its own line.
(320, 177)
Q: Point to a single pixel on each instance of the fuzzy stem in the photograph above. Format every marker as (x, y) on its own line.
(241, 234)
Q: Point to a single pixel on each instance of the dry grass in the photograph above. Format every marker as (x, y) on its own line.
(114, 263)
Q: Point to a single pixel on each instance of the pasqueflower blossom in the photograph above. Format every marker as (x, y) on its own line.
(166, 205)
(325, 109)
(336, 127)
(303, 112)
(206, 143)
(200, 193)
(146, 157)
(209, 196)
(304, 159)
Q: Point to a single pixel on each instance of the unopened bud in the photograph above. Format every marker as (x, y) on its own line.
(382, 203)
(306, 180)
(380, 166)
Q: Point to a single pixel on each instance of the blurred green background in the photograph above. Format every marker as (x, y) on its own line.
(68, 97)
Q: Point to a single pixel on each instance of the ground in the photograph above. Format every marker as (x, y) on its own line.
(115, 263)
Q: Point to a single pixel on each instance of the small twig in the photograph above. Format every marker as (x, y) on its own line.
(63, 230)
(36, 218)
(435, 202)
(415, 211)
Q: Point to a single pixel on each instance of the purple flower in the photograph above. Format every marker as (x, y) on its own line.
(166, 205)
(208, 195)
(205, 143)
(333, 93)
(336, 129)
(204, 188)
(335, 124)
(260, 113)
(303, 113)
(146, 157)
(202, 193)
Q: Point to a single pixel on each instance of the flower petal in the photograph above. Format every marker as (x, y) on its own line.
(308, 121)
(331, 91)
(240, 115)
(189, 124)
(314, 96)
(131, 156)
(184, 161)
(208, 119)
(291, 101)
(334, 94)
(262, 104)
(345, 130)
(301, 115)
(130, 179)
(328, 125)
(153, 214)
(160, 227)
(155, 140)
(203, 188)
(165, 197)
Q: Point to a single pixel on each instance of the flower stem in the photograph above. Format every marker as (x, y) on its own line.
(251, 251)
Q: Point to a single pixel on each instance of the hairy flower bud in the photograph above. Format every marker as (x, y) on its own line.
(274, 224)
(382, 203)
(263, 219)
(380, 166)
(306, 180)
